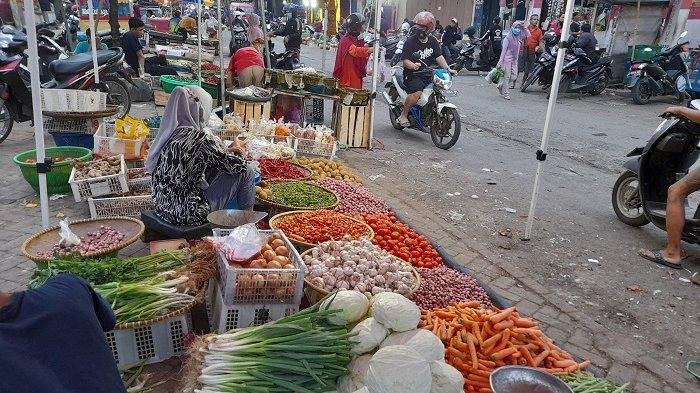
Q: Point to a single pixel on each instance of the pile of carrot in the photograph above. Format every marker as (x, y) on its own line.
(479, 340)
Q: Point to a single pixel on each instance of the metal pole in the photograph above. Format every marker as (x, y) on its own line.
(33, 64)
(93, 44)
(636, 29)
(325, 40)
(222, 97)
(553, 92)
(266, 48)
(199, 41)
(375, 67)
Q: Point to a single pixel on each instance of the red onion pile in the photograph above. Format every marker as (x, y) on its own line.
(354, 198)
(442, 286)
(101, 239)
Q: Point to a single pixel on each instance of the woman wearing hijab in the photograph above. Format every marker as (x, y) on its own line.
(509, 56)
(254, 32)
(193, 173)
(352, 55)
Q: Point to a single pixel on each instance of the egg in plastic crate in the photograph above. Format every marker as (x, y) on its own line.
(268, 286)
(152, 343)
(99, 186)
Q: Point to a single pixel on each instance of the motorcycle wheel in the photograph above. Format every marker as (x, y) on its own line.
(395, 118)
(6, 122)
(600, 86)
(117, 94)
(564, 84)
(626, 201)
(441, 131)
(531, 79)
(641, 93)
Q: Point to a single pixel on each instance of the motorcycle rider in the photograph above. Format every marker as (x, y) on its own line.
(672, 254)
(587, 41)
(450, 37)
(428, 48)
(292, 31)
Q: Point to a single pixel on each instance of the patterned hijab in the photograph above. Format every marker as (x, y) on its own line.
(186, 107)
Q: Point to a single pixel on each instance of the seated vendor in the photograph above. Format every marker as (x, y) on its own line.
(193, 173)
(247, 63)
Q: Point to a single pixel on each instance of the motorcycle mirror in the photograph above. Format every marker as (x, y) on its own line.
(415, 56)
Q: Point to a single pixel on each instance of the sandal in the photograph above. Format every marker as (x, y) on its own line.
(404, 122)
(657, 257)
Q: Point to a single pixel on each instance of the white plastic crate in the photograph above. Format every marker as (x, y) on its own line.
(152, 343)
(227, 317)
(63, 125)
(310, 147)
(99, 186)
(107, 145)
(122, 206)
(140, 184)
(68, 100)
(277, 285)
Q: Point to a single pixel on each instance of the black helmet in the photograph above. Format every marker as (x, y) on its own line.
(550, 38)
(470, 31)
(354, 22)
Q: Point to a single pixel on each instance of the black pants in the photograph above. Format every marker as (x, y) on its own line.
(158, 65)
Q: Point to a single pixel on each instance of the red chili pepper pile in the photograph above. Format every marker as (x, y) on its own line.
(273, 168)
(209, 67)
(400, 240)
(319, 226)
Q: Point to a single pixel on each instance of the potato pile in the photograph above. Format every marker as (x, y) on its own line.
(322, 168)
(97, 168)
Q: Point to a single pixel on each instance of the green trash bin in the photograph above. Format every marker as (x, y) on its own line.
(640, 53)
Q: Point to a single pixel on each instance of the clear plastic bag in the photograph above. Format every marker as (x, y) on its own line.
(68, 238)
(243, 243)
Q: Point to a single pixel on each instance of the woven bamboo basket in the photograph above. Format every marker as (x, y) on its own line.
(148, 322)
(45, 240)
(304, 245)
(314, 293)
(306, 170)
(286, 208)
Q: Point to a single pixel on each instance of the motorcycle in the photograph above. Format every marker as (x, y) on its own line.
(396, 58)
(432, 114)
(639, 194)
(470, 60)
(665, 74)
(390, 44)
(288, 60)
(543, 71)
(582, 74)
(76, 72)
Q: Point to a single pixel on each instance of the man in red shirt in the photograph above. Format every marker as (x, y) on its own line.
(529, 56)
(247, 63)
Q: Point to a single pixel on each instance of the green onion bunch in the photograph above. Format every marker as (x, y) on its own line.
(588, 383)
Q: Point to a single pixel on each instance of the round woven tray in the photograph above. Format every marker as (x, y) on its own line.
(286, 208)
(304, 245)
(153, 321)
(45, 240)
(110, 111)
(314, 293)
(306, 170)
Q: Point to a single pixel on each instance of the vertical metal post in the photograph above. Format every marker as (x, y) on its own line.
(222, 97)
(636, 30)
(33, 64)
(375, 67)
(553, 92)
(325, 40)
(93, 44)
(199, 42)
(263, 18)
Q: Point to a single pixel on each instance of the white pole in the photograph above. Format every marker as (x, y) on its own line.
(266, 48)
(33, 63)
(375, 67)
(553, 92)
(93, 44)
(325, 40)
(222, 97)
(199, 41)
(636, 29)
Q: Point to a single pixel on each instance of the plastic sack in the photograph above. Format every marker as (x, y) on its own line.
(243, 243)
(495, 75)
(382, 65)
(68, 238)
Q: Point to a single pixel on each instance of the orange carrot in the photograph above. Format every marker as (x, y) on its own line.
(503, 353)
(444, 315)
(539, 358)
(503, 325)
(477, 334)
(525, 323)
(474, 377)
(472, 304)
(456, 353)
(472, 351)
(491, 340)
(501, 315)
(584, 364)
(564, 363)
(527, 355)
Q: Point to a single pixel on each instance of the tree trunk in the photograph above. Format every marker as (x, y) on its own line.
(114, 22)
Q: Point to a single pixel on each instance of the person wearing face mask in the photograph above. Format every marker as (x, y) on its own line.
(427, 48)
(352, 55)
(509, 56)
(532, 44)
(193, 172)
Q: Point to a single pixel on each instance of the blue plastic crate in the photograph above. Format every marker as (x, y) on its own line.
(73, 139)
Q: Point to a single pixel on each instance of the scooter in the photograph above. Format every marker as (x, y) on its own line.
(543, 71)
(390, 43)
(639, 194)
(432, 113)
(666, 74)
(584, 75)
(396, 58)
(470, 59)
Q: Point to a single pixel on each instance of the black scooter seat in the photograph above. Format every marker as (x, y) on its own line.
(63, 68)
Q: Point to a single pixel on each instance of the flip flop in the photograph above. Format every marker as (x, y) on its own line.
(659, 258)
(406, 123)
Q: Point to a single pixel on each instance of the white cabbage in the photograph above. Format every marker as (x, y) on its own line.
(395, 312)
(370, 334)
(446, 379)
(353, 381)
(398, 368)
(424, 342)
(354, 305)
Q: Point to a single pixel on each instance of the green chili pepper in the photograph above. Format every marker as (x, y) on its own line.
(301, 194)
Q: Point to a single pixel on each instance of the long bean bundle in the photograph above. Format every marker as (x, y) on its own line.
(300, 353)
(142, 300)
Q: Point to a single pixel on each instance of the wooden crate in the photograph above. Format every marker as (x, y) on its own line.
(160, 97)
(352, 125)
(250, 110)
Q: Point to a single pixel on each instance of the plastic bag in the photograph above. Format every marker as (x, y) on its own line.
(68, 238)
(382, 64)
(495, 75)
(243, 243)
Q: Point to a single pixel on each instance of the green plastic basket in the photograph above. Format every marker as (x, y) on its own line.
(169, 84)
(57, 179)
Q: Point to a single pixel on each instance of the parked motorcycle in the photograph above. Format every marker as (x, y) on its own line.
(396, 58)
(665, 74)
(390, 43)
(639, 194)
(288, 60)
(583, 74)
(469, 58)
(432, 114)
(543, 71)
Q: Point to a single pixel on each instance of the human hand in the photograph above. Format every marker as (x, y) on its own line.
(416, 66)
(237, 147)
(672, 111)
(453, 72)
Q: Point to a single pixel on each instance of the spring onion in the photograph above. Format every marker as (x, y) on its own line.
(587, 383)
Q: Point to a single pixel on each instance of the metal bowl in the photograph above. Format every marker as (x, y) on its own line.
(520, 379)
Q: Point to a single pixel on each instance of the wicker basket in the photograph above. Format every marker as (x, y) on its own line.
(304, 245)
(306, 170)
(99, 186)
(286, 208)
(314, 294)
(45, 240)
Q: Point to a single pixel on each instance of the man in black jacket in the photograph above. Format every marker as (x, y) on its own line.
(450, 37)
(292, 31)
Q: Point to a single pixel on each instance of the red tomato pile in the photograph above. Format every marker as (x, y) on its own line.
(400, 240)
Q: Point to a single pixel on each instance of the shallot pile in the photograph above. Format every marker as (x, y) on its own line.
(103, 238)
(358, 265)
(442, 287)
(354, 198)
